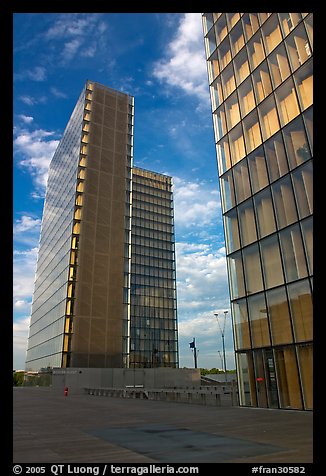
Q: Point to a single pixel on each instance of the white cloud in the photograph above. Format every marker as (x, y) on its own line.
(184, 65)
(70, 48)
(196, 204)
(37, 74)
(20, 336)
(27, 223)
(57, 93)
(201, 278)
(37, 150)
(26, 119)
(24, 264)
(31, 101)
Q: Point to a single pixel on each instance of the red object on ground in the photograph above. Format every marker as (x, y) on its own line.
(66, 392)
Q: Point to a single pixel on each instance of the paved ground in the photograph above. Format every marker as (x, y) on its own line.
(50, 428)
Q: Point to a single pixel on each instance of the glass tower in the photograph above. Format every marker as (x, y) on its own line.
(153, 287)
(260, 71)
(81, 310)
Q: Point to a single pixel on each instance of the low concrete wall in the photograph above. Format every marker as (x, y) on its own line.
(76, 379)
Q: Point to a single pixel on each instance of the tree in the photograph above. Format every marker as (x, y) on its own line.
(18, 379)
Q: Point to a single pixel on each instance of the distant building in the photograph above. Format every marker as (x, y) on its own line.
(105, 287)
(260, 69)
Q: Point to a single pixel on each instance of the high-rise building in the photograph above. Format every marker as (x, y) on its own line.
(260, 71)
(105, 281)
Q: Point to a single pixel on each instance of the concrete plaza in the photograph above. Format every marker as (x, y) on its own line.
(52, 428)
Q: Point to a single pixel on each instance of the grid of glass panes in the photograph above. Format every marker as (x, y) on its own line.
(260, 73)
(153, 318)
(45, 343)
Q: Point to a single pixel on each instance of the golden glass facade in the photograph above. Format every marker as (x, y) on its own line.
(260, 70)
(81, 311)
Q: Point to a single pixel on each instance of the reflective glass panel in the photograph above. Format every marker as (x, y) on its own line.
(293, 255)
(303, 189)
(257, 169)
(296, 143)
(284, 202)
(276, 157)
(241, 181)
(271, 260)
(264, 213)
(247, 222)
(252, 269)
(236, 275)
(279, 316)
(300, 300)
(258, 320)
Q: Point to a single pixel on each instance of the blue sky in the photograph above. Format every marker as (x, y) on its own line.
(159, 59)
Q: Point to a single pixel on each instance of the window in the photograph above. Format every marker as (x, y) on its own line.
(252, 131)
(293, 255)
(271, 33)
(232, 19)
(287, 102)
(247, 223)
(241, 324)
(237, 38)
(224, 53)
(296, 143)
(305, 353)
(213, 67)
(298, 47)
(247, 391)
(263, 17)
(210, 43)
(208, 21)
(221, 29)
(219, 123)
(268, 117)
(275, 157)
(264, 212)
(241, 181)
(252, 269)
(241, 66)
(307, 233)
(223, 155)
(216, 93)
(236, 275)
(232, 110)
(227, 189)
(279, 316)
(278, 65)
(231, 231)
(250, 24)
(258, 321)
(289, 21)
(310, 28)
(308, 120)
(257, 169)
(255, 50)
(228, 81)
(304, 82)
(271, 260)
(284, 202)
(236, 142)
(262, 82)
(303, 189)
(301, 306)
(288, 378)
(246, 97)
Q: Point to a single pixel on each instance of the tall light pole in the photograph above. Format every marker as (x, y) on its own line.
(222, 330)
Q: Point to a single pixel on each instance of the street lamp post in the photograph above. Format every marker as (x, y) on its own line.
(222, 330)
